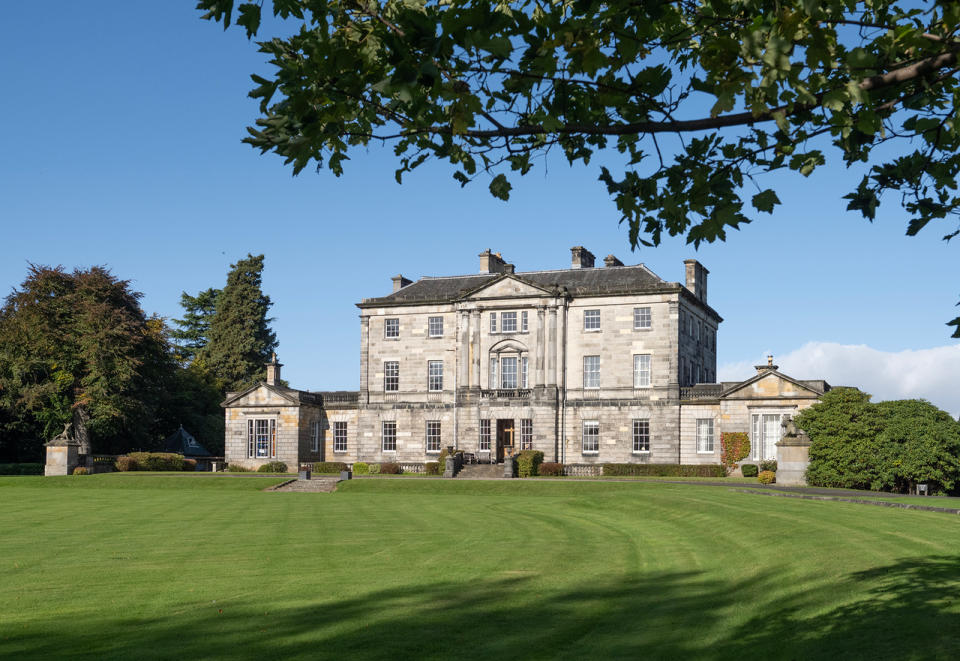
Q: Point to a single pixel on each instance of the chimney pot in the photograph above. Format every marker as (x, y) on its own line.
(581, 258)
(399, 282)
(696, 278)
(610, 261)
(273, 370)
(492, 262)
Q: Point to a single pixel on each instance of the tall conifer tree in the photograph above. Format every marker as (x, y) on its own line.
(191, 337)
(240, 340)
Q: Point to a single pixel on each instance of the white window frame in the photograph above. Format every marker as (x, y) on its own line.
(484, 441)
(524, 322)
(493, 322)
(705, 436)
(591, 320)
(262, 438)
(391, 327)
(339, 437)
(524, 371)
(641, 436)
(758, 437)
(388, 439)
(391, 376)
(494, 370)
(642, 374)
(526, 434)
(315, 436)
(432, 440)
(435, 375)
(642, 318)
(591, 377)
(509, 372)
(435, 326)
(508, 322)
(594, 432)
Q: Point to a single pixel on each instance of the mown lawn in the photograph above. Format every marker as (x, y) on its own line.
(170, 567)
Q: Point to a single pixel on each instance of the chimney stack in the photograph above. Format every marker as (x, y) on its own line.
(769, 367)
(399, 282)
(611, 261)
(273, 370)
(696, 279)
(581, 258)
(492, 262)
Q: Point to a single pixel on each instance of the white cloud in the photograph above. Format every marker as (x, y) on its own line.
(931, 374)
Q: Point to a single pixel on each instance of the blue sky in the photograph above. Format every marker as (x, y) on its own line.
(122, 147)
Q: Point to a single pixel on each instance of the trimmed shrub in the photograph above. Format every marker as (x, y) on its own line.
(189, 464)
(528, 461)
(432, 468)
(374, 469)
(390, 468)
(749, 470)
(125, 464)
(273, 467)
(767, 477)
(665, 470)
(21, 469)
(158, 461)
(238, 468)
(769, 465)
(329, 467)
(81, 470)
(734, 448)
(551, 468)
(361, 468)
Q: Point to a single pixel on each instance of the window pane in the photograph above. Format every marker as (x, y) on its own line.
(524, 369)
(508, 367)
(591, 319)
(340, 437)
(641, 370)
(485, 435)
(493, 322)
(705, 435)
(391, 376)
(493, 372)
(641, 435)
(435, 375)
(389, 436)
(391, 328)
(524, 325)
(641, 318)
(526, 434)
(591, 437)
(433, 436)
(435, 326)
(509, 322)
(591, 371)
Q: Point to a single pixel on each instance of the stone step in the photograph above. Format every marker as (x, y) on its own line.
(481, 471)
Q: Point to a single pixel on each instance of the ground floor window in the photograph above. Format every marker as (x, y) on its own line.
(389, 436)
(315, 436)
(526, 434)
(641, 435)
(484, 435)
(433, 436)
(766, 434)
(591, 437)
(339, 437)
(705, 435)
(262, 438)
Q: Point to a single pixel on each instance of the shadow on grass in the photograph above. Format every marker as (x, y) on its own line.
(904, 610)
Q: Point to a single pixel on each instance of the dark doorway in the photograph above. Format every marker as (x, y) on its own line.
(504, 439)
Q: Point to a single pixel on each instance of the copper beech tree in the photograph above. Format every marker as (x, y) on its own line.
(686, 103)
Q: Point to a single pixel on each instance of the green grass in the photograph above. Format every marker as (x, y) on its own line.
(175, 566)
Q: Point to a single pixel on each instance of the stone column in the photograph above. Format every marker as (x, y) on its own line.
(463, 349)
(475, 349)
(538, 366)
(364, 358)
(552, 347)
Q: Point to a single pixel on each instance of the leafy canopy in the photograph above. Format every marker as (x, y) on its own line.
(700, 97)
(191, 336)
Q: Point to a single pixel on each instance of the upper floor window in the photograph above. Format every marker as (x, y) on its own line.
(508, 372)
(591, 436)
(524, 370)
(508, 322)
(690, 325)
(391, 327)
(683, 323)
(493, 322)
(433, 436)
(642, 318)
(641, 370)
(699, 327)
(434, 375)
(641, 435)
(391, 376)
(591, 371)
(524, 322)
(705, 435)
(262, 438)
(315, 436)
(591, 320)
(494, 363)
(435, 326)
(340, 437)
(388, 436)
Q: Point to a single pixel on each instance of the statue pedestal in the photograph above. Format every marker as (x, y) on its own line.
(63, 455)
(793, 455)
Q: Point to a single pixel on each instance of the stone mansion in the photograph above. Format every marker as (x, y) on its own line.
(588, 364)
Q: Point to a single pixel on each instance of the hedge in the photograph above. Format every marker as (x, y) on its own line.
(273, 467)
(390, 468)
(21, 469)
(238, 468)
(749, 470)
(551, 468)
(769, 465)
(528, 461)
(329, 467)
(157, 461)
(432, 468)
(767, 477)
(665, 470)
(81, 470)
(361, 468)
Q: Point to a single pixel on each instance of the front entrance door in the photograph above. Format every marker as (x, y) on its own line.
(504, 439)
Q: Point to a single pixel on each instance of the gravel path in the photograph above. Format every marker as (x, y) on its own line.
(315, 485)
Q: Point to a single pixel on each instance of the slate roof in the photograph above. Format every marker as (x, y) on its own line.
(575, 282)
(295, 397)
(182, 442)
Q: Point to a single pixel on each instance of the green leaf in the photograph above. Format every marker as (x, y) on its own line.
(765, 200)
(249, 18)
(500, 187)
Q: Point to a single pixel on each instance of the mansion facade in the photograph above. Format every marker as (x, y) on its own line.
(588, 364)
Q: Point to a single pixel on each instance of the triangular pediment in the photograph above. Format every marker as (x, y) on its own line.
(771, 384)
(507, 286)
(262, 395)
